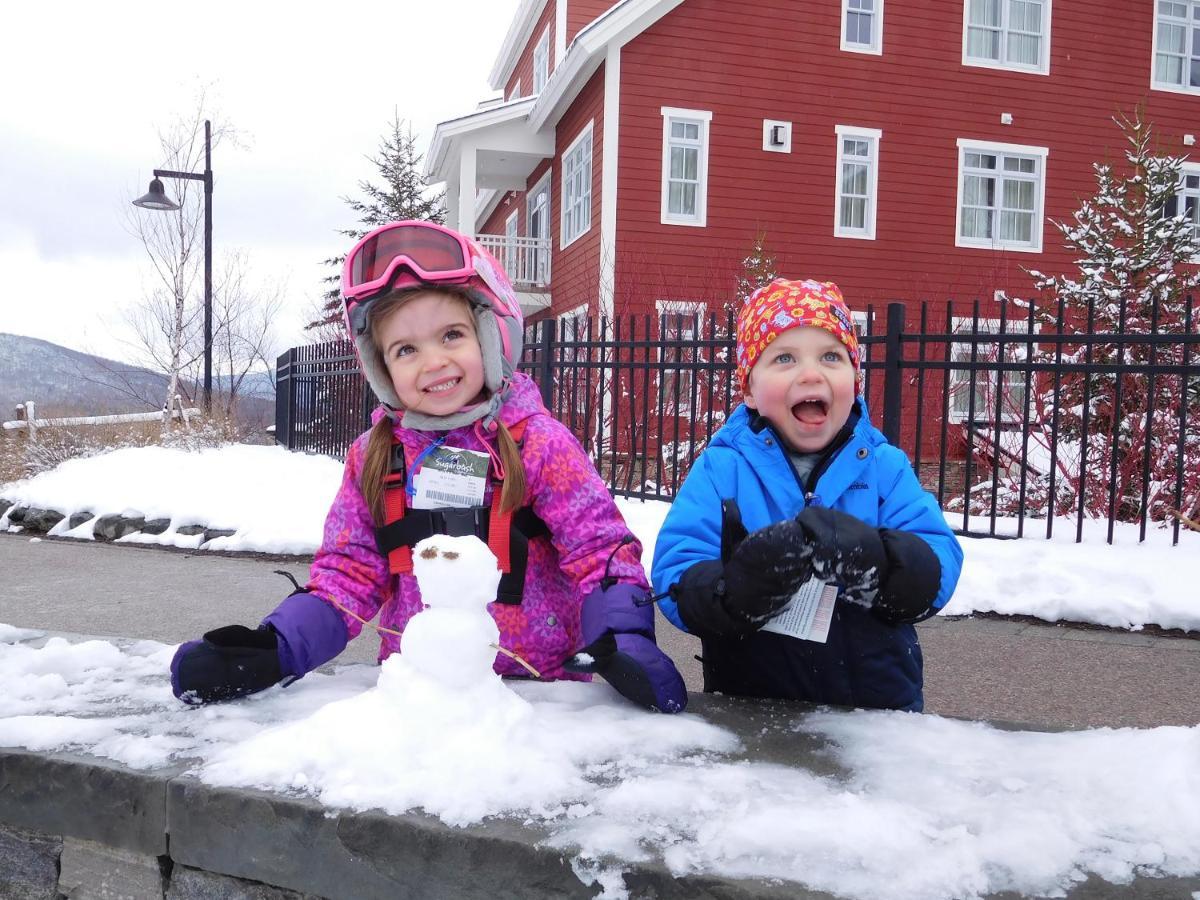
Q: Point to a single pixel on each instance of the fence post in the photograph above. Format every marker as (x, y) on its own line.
(546, 362)
(292, 384)
(892, 373)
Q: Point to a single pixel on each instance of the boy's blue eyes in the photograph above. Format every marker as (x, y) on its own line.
(827, 356)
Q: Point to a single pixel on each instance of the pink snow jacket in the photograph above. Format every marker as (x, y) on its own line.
(566, 492)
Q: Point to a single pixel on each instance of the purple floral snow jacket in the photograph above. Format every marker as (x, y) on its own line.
(564, 490)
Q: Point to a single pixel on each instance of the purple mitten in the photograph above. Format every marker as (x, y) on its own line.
(311, 632)
(619, 632)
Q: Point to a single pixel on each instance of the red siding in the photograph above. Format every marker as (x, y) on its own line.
(523, 70)
(784, 62)
(575, 271)
(581, 13)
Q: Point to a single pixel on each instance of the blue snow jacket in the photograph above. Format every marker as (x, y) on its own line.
(865, 662)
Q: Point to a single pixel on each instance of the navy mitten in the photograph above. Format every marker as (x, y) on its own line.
(226, 663)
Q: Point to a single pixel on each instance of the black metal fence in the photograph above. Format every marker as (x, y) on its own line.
(1026, 418)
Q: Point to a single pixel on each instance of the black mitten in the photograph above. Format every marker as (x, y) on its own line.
(846, 551)
(914, 578)
(755, 579)
(895, 573)
(227, 663)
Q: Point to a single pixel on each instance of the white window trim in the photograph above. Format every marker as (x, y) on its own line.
(515, 93)
(542, 46)
(696, 310)
(961, 378)
(1189, 168)
(511, 259)
(704, 117)
(585, 132)
(547, 182)
(967, 144)
(533, 192)
(1155, 84)
(574, 314)
(1043, 66)
(875, 136)
(861, 321)
(876, 46)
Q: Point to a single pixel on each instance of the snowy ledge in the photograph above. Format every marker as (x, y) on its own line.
(86, 818)
(366, 781)
(70, 822)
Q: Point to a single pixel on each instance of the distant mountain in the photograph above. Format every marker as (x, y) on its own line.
(64, 382)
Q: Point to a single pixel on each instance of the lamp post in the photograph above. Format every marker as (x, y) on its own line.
(156, 198)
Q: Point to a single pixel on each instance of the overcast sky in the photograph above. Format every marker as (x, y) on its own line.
(311, 90)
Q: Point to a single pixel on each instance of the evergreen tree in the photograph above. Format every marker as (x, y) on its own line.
(758, 269)
(403, 195)
(1134, 244)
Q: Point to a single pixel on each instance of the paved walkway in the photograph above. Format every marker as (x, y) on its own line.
(1038, 674)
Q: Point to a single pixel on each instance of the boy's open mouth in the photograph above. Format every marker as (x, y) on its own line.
(810, 412)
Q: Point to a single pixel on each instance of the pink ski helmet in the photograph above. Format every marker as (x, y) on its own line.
(416, 254)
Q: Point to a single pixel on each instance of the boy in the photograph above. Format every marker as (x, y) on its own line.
(830, 507)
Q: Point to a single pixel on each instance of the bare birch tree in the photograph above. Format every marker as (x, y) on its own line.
(166, 322)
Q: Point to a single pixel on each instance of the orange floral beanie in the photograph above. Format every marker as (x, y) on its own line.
(784, 304)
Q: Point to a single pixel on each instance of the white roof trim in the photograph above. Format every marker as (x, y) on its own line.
(619, 24)
(445, 132)
(519, 32)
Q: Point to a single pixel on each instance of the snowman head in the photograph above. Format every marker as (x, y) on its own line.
(456, 572)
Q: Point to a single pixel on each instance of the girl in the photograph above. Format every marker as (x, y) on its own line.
(461, 444)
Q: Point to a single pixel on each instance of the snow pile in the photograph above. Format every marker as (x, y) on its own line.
(276, 500)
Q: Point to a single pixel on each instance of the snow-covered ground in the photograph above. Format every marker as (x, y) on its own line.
(922, 807)
(276, 502)
(926, 808)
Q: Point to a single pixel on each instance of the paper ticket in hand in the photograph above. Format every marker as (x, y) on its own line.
(809, 614)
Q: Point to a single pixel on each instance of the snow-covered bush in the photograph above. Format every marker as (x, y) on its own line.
(1120, 432)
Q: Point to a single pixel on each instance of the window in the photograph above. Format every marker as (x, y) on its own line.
(537, 224)
(511, 258)
(857, 181)
(515, 93)
(862, 26)
(864, 327)
(1186, 201)
(1177, 46)
(1007, 34)
(1014, 392)
(572, 390)
(541, 61)
(1000, 196)
(685, 166)
(573, 324)
(577, 187)
(680, 322)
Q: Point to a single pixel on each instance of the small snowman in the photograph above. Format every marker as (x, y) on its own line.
(453, 640)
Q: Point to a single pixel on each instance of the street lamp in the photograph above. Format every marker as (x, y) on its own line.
(156, 198)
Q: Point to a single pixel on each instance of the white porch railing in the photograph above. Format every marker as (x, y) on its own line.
(525, 259)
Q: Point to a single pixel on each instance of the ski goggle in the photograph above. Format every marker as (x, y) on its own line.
(433, 253)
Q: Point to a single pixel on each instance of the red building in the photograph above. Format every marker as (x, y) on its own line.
(907, 149)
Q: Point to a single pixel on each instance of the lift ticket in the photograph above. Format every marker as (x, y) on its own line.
(450, 476)
(809, 614)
